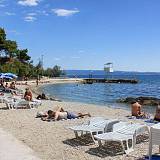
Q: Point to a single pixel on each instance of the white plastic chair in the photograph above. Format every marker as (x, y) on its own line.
(4, 97)
(36, 102)
(124, 134)
(17, 103)
(154, 138)
(20, 103)
(9, 102)
(96, 125)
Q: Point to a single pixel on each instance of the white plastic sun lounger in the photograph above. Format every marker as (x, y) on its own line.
(36, 102)
(129, 132)
(96, 125)
(20, 103)
(12, 104)
(4, 97)
(9, 102)
(154, 138)
(17, 103)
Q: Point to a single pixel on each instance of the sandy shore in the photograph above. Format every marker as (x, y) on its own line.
(53, 141)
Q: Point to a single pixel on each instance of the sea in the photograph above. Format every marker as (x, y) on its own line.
(106, 94)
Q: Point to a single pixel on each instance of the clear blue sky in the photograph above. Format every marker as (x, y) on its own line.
(85, 34)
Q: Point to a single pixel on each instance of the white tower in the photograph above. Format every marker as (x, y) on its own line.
(108, 67)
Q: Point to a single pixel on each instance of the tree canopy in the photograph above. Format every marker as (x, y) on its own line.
(15, 60)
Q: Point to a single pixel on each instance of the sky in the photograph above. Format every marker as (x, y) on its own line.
(86, 34)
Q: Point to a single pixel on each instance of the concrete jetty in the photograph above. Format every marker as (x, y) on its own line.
(101, 80)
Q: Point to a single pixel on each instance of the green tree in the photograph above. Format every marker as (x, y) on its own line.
(2, 38)
(48, 72)
(2, 41)
(22, 55)
(53, 72)
(39, 69)
(13, 59)
(19, 62)
(10, 48)
(56, 71)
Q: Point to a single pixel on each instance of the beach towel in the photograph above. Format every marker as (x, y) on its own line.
(152, 121)
(154, 157)
(134, 117)
(41, 114)
(53, 120)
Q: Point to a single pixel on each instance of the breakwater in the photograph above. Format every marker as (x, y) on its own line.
(100, 80)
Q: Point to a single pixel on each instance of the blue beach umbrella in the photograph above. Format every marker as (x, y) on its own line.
(2, 76)
(10, 75)
(5, 77)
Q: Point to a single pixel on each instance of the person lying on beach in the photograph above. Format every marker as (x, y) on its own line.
(43, 96)
(28, 95)
(6, 85)
(62, 114)
(157, 114)
(6, 89)
(136, 110)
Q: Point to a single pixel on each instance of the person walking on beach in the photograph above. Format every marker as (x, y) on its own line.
(62, 114)
(137, 110)
(37, 81)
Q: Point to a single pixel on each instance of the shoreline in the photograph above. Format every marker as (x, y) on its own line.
(37, 90)
(124, 106)
(53, 140)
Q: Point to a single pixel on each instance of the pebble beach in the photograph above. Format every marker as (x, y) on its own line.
(53, 140)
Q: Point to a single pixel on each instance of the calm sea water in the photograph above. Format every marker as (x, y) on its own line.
(107, 94)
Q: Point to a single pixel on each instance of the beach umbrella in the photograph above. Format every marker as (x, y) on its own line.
(2, 76)
(10, 75)
(5, 77)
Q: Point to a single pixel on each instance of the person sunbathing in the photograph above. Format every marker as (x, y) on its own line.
(28, 95)
(62, 114)
(43, 96)
(136, 110)
(6, 88)
(6, 85)
(157, 115)
(12, 86)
